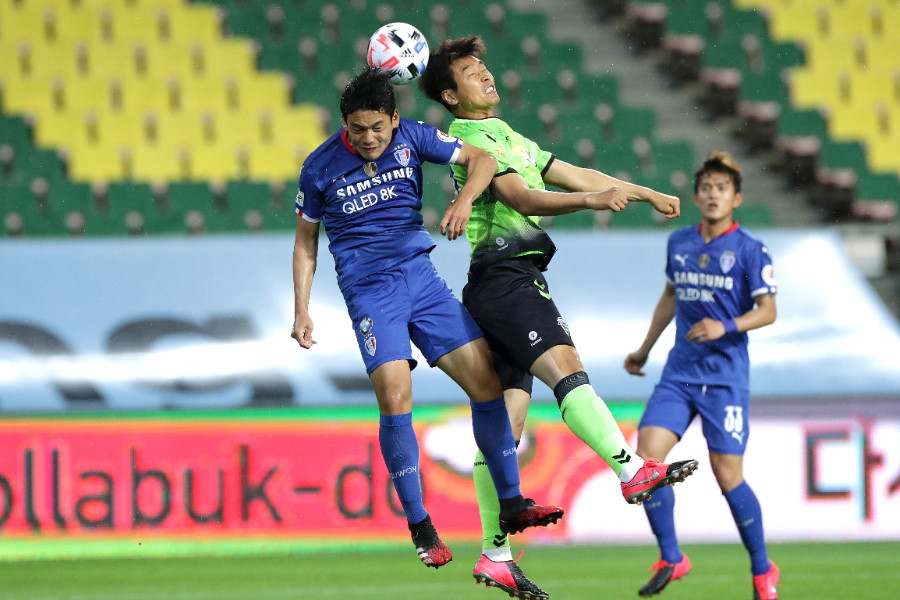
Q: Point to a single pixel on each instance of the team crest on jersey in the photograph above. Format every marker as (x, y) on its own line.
(299, 199)
(371, 169)
(727, 261)
(703, 260)
(402, 155)
(445, 138)
(370, 345)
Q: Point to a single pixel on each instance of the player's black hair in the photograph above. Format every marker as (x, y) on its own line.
(719, 162)
(438, 76)
(370, 90)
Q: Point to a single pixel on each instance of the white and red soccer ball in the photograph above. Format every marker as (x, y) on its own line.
(399, 48)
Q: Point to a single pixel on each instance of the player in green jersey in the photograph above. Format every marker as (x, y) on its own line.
(508, 295)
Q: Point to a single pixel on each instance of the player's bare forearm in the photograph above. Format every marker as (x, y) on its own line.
(763, 314)
(578, 179)
(512, 190)
(306, 244)
(480, 169)
(662, 316)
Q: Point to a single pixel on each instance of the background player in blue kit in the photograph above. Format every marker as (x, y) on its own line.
(720, 284)
(365, 184)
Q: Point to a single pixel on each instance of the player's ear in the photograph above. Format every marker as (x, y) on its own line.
(738, 199)
(449, 97)
(395, 118)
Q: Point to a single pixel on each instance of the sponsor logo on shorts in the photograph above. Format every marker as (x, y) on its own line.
(565, 326)
(365, 326)
(534, 337)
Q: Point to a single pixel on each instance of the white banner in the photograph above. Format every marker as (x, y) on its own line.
(200, 323)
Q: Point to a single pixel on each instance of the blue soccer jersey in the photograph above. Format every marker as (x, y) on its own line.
(719, 280)
(371, 210)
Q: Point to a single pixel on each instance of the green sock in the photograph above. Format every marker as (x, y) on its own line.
(488, 506)
(589, 418)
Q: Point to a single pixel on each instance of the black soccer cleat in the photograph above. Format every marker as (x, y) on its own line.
(518, 514)
(431, 550)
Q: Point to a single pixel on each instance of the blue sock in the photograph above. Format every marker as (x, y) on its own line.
(748, 517)
(660, 511)
(400, 450)
(493, 434)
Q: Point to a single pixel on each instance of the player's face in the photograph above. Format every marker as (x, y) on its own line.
(716, 197)
(370, 131)
(475, 90)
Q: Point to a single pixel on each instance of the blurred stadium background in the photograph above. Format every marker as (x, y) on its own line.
(149, 151)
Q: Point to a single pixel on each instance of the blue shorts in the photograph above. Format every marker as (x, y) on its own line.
(407, 303)
(723, 410)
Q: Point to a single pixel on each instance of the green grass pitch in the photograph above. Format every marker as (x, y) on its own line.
(857, 571)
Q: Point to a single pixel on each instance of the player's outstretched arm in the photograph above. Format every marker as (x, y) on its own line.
(578, 179)
(306, 246)
(662, 316)
(480, 169)
(512, 190)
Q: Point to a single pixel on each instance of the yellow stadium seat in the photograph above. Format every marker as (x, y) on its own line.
(61, 129)
(169, 60)
(48, 60)
(34, 95)
(796, 21)
(272, 163)
(264, 91)
(135, 24)
(848, 19)
(82, 93)
(232, 56)
(858, 122)
(122, 128)
(297, 125)
(884, 53)
(18, 25)
(181, 129)
(236, 128)
(876, 85)
(812, 89)
(95, 162)
(112, 60)
(883, 155)
(70, 25)
(153, 163)
(213, 163)
(837, 52)
(140, 94)
(192, 23)
(13, 62)
(206, 93)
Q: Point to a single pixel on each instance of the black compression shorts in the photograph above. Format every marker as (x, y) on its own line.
(511, 302)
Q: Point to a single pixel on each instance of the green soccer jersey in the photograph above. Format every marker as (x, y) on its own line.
(495, 230)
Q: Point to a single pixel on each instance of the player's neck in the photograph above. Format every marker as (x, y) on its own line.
(474, 113)
(710, 230)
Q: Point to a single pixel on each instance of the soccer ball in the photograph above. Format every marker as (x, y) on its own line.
(399, 48)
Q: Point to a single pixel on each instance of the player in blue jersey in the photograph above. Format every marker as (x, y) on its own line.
(720, 285)
(365, 184)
